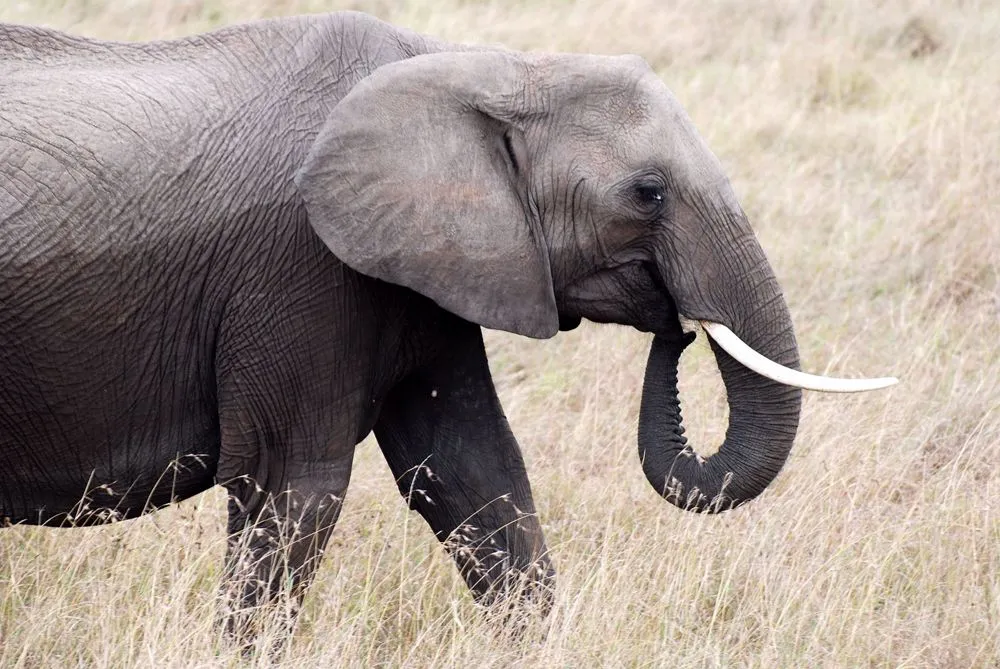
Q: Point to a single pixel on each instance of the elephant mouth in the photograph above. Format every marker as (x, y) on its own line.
(629, 293)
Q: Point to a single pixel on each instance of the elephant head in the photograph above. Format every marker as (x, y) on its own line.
(526, 192)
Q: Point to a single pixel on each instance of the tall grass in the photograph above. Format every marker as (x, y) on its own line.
(863, 140)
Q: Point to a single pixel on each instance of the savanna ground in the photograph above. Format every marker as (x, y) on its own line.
(862, 138)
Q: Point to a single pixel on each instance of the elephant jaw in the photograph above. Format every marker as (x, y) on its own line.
(753, 360)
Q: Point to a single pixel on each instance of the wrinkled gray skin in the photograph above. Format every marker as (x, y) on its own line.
(227, 259)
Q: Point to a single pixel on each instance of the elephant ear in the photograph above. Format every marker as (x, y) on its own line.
(409, 182)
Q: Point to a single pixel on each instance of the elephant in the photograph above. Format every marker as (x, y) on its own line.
(228, 258)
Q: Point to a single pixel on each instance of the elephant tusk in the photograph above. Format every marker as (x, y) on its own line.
(753, 360)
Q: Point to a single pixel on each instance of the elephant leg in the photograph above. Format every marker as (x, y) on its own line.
(449, 446)
(294, 395)
(277, 536)
(288, 436)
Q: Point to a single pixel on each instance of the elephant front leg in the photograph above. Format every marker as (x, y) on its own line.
(446, 439)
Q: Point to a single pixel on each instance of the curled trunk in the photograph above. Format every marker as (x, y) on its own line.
(763, 421)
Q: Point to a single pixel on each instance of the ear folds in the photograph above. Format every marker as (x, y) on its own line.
(409, 182)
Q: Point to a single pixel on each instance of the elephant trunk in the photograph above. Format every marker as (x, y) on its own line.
(763, 418)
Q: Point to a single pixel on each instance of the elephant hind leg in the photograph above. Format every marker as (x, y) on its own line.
(277, 536)
(290, 407)
(286, 476)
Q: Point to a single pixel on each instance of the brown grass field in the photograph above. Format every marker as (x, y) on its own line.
(864, 141)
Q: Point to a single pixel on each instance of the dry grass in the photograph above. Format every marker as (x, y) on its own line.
(863, 138)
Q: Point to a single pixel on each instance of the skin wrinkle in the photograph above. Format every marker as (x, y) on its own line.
(574, 267)
(713, 237)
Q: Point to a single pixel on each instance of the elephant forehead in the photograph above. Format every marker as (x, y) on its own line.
(617, 106)
(634, 125)
(612, 133)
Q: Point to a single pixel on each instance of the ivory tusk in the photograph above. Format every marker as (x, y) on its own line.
(753, 360)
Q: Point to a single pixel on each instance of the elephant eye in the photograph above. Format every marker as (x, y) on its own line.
(649, 196)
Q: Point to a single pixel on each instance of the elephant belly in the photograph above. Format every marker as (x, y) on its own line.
(86, 460)
(107, 397)
(126, 480)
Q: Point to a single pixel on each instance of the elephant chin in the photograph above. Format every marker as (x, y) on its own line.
(567, 323)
